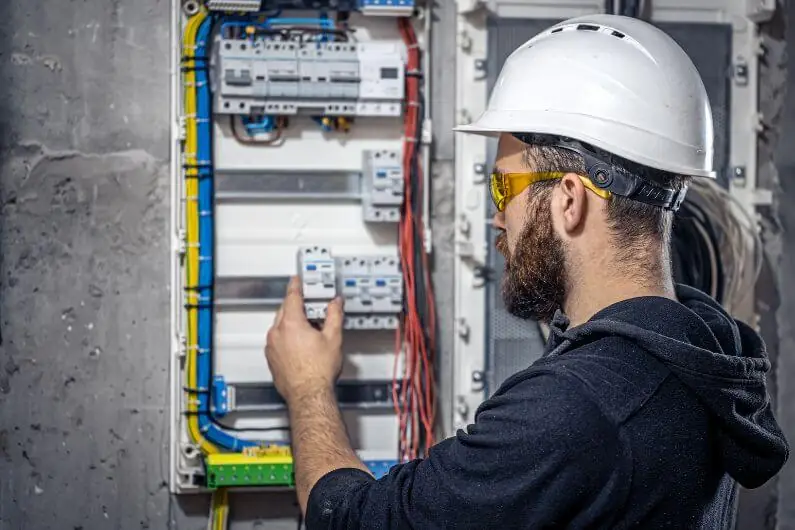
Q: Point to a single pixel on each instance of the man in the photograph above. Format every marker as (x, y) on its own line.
(650, 403)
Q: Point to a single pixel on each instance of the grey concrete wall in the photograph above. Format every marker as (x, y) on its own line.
(84, 306)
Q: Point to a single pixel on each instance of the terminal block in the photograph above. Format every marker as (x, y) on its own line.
(317, 271)
(237, 469)
(394, 8)
(383, 186)
(265, 76)
(238, 6)
(227, 470)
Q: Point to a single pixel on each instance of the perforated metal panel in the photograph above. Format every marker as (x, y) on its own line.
(513, 344)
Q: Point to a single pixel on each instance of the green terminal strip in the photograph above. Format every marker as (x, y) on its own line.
(231, 475)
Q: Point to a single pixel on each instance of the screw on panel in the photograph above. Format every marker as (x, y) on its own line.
(741, 71)
(462, 408)
(739, 176)
(480, 173)
(190, 7)
(463, 329)
(478, 380)
(480, 69)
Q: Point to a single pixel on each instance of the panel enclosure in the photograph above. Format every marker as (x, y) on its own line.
(722, 39)
(271, 200)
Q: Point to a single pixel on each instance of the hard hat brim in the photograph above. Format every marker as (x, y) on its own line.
(588, 130)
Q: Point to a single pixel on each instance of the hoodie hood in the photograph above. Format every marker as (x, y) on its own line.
(721, 360)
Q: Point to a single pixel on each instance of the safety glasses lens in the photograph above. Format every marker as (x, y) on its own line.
(498, 191)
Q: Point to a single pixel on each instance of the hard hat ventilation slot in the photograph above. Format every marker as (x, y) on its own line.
(618, 34)
(588, 27)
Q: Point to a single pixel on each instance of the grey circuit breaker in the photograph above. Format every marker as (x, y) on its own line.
(382, 186)
(317, 271)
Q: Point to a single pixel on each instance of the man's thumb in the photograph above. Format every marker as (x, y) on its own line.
(332, 327)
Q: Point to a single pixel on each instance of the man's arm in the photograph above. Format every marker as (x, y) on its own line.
(320, 443)
(540, 454)
(305, 363)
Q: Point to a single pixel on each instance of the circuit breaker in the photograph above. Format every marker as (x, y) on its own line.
(372, 289)
(318, 280)
(256, 76)
(383, 186)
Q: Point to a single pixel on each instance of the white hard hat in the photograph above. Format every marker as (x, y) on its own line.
(614, 82)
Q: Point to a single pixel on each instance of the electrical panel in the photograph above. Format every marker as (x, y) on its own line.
(262, 74)
(291, 120)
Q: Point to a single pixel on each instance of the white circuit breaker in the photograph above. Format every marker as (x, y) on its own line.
(372, 288)
(318, 280)
(383, 186)
(313, 78)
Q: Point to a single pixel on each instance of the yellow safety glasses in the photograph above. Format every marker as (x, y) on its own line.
(505, 186)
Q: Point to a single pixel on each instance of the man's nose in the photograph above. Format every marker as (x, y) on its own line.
(499, 221)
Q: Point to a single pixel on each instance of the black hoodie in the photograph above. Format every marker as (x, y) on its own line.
(643, 417)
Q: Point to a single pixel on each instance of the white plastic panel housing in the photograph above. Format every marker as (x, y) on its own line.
(258, 239)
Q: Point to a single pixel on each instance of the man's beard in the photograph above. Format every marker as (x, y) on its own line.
(534, 282)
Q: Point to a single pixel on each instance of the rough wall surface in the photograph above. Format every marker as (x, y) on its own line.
(84, 304)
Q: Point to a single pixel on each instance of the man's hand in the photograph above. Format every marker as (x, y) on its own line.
(302, 359)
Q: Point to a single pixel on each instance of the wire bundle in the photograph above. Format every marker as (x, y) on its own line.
(716, 243)
(414, 396)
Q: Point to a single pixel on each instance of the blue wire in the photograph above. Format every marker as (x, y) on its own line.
(206, 250)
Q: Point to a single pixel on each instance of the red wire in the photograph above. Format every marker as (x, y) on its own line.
(415, 406)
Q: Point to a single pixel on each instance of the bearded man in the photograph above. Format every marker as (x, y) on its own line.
(650, 404)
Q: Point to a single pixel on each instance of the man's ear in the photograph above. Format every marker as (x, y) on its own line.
(572, 203)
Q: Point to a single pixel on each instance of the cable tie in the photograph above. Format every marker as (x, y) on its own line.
(193, 288)
(198, 306)
(189, 58)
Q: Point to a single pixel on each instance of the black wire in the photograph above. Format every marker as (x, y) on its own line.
(693, 235)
